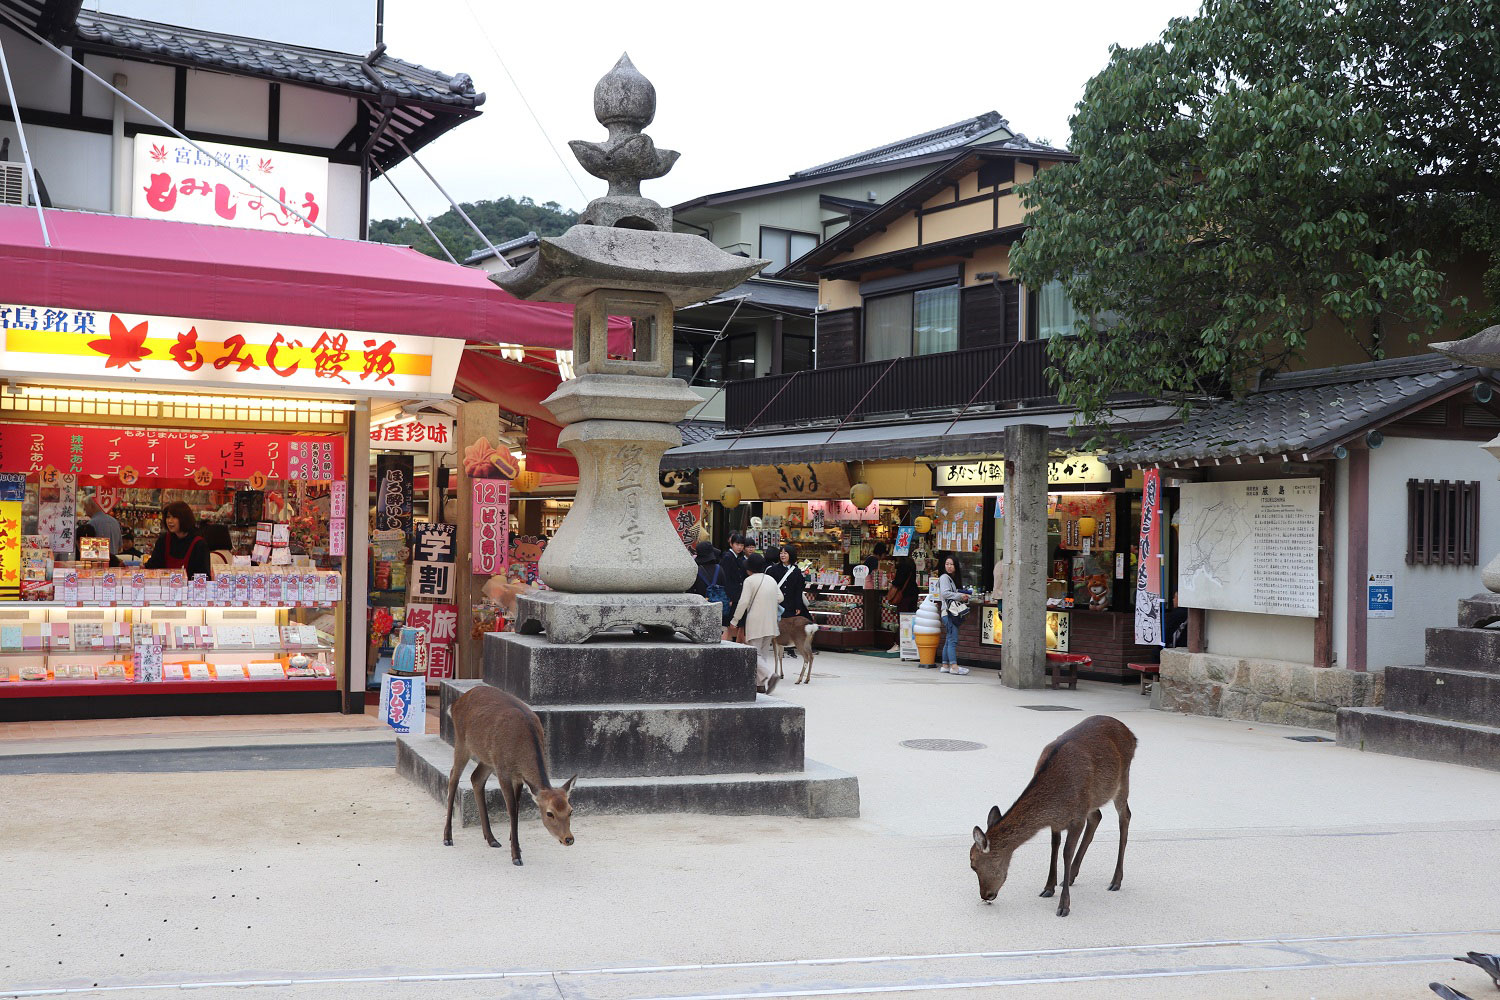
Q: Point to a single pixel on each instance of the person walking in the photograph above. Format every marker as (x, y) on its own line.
(756, 607)
(709, 583)
(105, 525)
(789, 577)
(950, 588)
(732, 563)
(179, 545)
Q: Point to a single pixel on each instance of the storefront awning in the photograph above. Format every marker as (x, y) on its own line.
(146, 266)
(970, 438)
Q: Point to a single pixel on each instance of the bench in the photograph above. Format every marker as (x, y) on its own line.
(1147, 671)
(1064, 667)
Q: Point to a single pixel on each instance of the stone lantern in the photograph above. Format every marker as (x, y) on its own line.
(1482, 351)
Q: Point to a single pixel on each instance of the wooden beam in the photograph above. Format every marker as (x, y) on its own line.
(1323, 624)
(1357, 620)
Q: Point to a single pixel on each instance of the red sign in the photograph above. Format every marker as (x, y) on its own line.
(136, 453)
(491, 503)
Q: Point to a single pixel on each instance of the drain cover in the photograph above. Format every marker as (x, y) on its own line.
(1310, 739)
(1052, 708)
(941, 745)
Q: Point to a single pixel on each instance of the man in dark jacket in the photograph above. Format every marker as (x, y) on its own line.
(732, 562)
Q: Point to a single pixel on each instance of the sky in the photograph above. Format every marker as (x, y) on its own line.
(746, 93)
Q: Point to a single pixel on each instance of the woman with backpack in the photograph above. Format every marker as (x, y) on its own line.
(759, 598)
(950, 592)
(710, 581)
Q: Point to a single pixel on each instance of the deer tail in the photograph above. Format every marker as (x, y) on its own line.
(811, 629)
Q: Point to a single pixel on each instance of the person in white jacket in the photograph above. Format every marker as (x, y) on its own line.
(759, 598)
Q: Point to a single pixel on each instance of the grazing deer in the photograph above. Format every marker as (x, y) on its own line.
(504, 736)
(1078, 772)
(797, 632)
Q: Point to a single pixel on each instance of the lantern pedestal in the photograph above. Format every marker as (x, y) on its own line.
(573, 618)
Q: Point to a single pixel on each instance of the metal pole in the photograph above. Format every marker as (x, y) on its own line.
(504, 264)
(15, 108)
(441, 246)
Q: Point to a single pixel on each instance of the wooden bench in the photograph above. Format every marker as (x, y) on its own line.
(1147, 670)
(1064, 667)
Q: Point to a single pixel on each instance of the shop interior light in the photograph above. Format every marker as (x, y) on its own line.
(154, 398)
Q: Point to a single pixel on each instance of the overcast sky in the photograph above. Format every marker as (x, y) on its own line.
(747, 93)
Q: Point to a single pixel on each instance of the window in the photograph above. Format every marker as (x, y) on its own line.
(782, 246)
(796, 353)
(911, 323)
(1055, 315)
(1442, 523)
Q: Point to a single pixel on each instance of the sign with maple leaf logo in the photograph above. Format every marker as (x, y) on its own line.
(123, 346)
(173, 180)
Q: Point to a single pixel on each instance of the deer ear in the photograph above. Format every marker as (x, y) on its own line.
(981, 841)
(568, 785)
(994, 816)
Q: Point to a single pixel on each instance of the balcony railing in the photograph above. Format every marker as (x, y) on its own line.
(927, 382)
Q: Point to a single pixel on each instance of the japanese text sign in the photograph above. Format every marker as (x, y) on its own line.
(145, 454)
(393, 501)
(435, 543)
(403, 703)
(491, 512)
(421, 433)
(173, 180)
(1069, 470)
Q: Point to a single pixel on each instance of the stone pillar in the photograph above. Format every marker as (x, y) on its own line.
(1023, 649)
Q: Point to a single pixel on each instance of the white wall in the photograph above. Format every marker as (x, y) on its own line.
(1270, 637)
(1425, 595)
(342, 25)
(343, 201)
(41, 79)
(74, 165)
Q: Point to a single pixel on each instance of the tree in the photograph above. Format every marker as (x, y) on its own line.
(502, 220)
(1264, 167)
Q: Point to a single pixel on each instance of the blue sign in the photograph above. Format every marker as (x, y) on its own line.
(1381, 601)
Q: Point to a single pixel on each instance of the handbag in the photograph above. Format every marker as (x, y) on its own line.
(781, 600)
(957, 609)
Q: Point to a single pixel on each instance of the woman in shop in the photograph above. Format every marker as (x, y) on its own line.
(759, 597)
(786, 574)
(903, 593)
(179, 546)
(950, 588)
(220, 547)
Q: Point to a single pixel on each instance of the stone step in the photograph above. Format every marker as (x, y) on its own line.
(1479, 610)
(632, 740)
(1464, 648)
(618, 671)
(1382, 731)
(1459, 695)
(816, 791)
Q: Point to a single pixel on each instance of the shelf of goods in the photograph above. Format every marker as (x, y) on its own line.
(847, 617)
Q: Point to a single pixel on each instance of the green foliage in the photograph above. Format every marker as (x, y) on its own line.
(503, 220)
(1267, 166)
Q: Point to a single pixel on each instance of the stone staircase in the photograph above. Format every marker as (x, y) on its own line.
(649, 726)
(1449, 708)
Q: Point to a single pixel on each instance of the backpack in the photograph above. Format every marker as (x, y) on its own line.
(714, 589)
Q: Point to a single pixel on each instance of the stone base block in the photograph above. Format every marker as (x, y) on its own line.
(569, 619)
(1270, 691)
(626, 669)
(1383, 731)
(1464, 648)
(815, 792)
(1479, 611)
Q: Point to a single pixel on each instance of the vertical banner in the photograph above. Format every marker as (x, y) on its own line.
(432, 562)
(1148, 581)
(338, 517)
(10, 549)
(403, 703)
(491, 512)
(58, 509)
(685, 520)
(393, 497)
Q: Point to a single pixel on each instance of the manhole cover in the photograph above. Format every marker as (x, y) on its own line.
(1310, 739)
(1052, 708)
(941, 745)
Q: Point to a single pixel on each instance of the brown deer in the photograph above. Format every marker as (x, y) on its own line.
(797, 632)
(1078, 772)
(504, 737)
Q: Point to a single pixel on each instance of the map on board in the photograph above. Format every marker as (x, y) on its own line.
(1249, 546)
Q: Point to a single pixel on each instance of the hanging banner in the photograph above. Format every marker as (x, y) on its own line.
(143, 453)
(57, 510)
(1148, 583)
(393, 497)
(801, 481)
(338, 517)
(491, 512)
(432, 562)
(10, 550)
(685, 519)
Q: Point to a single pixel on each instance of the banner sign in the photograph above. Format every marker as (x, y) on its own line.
(801, 481)
(685, 519)
(10, 550)
(424, 432)
(432, 562)
(491, 542)
(175, 181)
(393, 497)
(403, 703)
(1069, 470)
(136, 454)
(1148, 582)
(440, 623)
(93, 344)
(338, 517)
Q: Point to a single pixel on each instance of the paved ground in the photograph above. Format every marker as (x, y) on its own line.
(1257, 867)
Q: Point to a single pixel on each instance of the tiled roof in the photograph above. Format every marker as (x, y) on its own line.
(1297, 414)
(937, 141)
(276, 60)
(694, 431)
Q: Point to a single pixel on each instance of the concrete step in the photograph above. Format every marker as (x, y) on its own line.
(618, 671)
(1459, 695)
(1464, 648)
(1383, 731)
(816, 791)
(633, 740)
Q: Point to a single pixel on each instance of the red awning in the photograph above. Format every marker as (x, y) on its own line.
(151, 267)
(520, 389)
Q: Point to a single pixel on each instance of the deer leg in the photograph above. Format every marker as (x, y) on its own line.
(515, 814)
(460, 758)
(778, 654)
(807, 657)
(480, 776)
(1052, 869)
(1088, 836)
(1070, 851)
(1123, 808)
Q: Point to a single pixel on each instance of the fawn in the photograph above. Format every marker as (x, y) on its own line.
(1078, 772)
(797, 632)
(504, 736)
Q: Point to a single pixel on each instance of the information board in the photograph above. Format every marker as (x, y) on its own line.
(1250, 546)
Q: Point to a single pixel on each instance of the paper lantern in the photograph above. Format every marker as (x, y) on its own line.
(1087, 526)
(862, 495)
(923, 524)
(731, 496)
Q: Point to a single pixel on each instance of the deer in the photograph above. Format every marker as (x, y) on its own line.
(797, 632)
(504, 737)
(1076, 774)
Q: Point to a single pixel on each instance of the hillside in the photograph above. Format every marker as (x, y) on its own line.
(502, 220)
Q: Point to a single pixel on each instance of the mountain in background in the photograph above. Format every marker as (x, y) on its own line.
(502, 220)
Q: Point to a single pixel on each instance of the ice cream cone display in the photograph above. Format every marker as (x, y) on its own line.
(927, 631)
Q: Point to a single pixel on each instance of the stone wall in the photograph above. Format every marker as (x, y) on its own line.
(1256, 690)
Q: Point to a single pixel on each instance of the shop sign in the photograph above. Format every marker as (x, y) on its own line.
(421, 433)
(432, 562)
(338, 514)
(403, 703)
(823, 511)
(439, 622)
(801, 481)
(1148, 582)
(175, 181)
(1070, 470)
(107, 346)
(991, 629)
(491, 527)
(685, 519)
(679, 482)
(393, 496)
(144, 453)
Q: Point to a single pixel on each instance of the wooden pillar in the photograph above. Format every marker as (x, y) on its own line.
(1197, 637)
(1357, 571)
(1323, 625)
(357, 542)
(777, 338)
(475, 421)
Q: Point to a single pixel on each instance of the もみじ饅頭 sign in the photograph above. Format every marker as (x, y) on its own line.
(174, 180)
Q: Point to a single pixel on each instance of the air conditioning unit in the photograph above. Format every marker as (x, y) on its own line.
(14, 188)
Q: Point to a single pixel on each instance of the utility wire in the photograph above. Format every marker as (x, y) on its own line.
(522, 95)
(441, 246)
